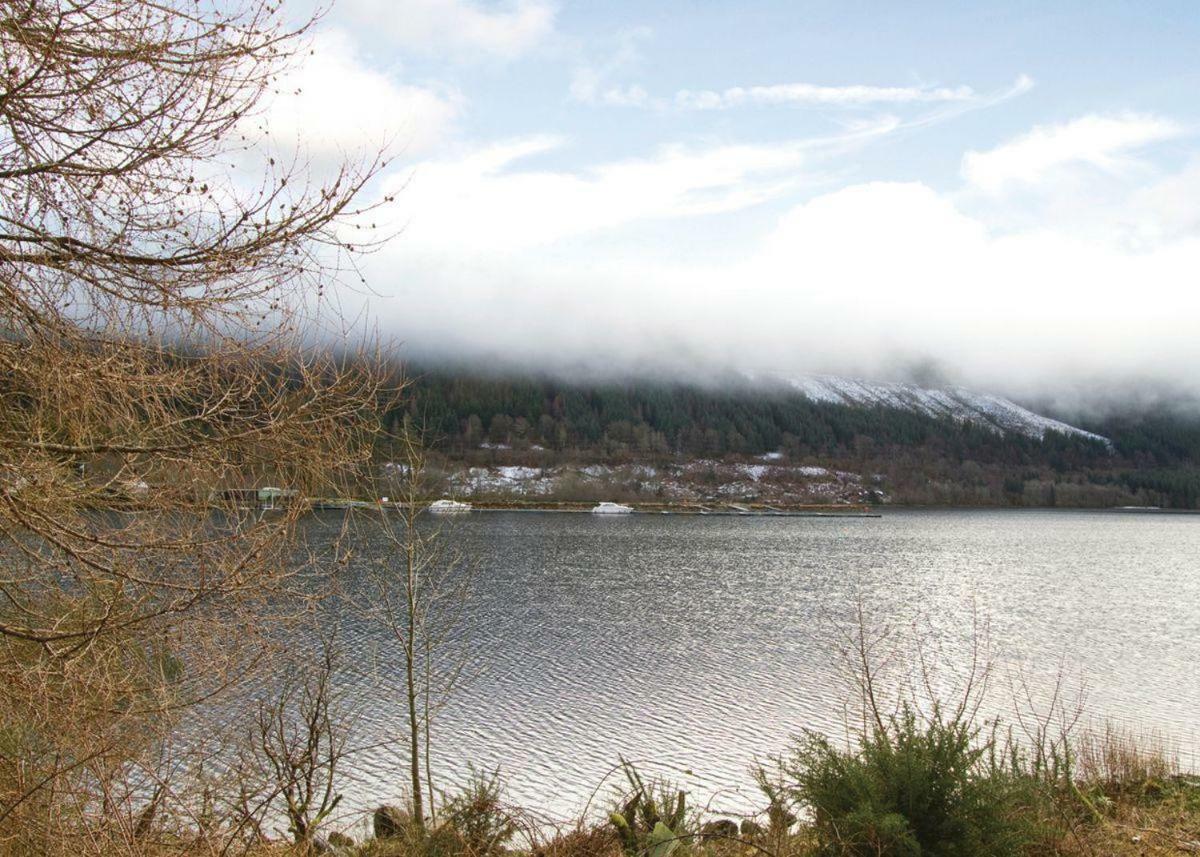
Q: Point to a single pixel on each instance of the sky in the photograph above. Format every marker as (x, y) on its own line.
(1000, 195)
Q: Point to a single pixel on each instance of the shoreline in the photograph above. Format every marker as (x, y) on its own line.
(735, 510)
(742, 510)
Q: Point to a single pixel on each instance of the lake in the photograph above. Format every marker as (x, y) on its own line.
(698, 644)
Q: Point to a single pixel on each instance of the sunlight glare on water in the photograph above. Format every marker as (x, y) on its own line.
(698, 644)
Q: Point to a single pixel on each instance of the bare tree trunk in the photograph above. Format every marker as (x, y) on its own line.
(418, 593)
(427, 690)
(414, 719)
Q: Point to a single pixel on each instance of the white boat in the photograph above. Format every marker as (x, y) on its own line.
(448, 507)
(611, 509)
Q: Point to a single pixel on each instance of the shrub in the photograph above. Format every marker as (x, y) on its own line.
(914, 786)
(780, 804)
(478, 815)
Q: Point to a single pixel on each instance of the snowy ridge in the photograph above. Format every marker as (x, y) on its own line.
(954, 402)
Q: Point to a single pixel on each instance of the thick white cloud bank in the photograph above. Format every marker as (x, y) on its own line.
(333, 105)
(560, 269)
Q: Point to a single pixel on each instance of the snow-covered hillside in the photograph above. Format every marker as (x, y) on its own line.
(954, 402)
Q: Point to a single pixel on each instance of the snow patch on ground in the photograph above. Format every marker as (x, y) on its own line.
(503, 480)
(755, 471)
(700, 480)
(519, 473)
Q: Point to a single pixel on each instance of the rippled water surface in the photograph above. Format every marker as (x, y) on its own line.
(699, 643)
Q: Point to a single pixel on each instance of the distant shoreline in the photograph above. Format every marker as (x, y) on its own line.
(743, 510)
(823, 510)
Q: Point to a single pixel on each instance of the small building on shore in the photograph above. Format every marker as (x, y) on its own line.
(265, 498)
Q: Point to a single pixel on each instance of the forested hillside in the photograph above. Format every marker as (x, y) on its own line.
(479, 418)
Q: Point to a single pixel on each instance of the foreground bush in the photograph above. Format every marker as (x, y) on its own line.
(917, 786)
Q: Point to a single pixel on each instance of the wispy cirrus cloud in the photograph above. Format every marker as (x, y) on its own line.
(584, 90)
(1103, 142)
(817, 95)
(498, 198)
(593, 85)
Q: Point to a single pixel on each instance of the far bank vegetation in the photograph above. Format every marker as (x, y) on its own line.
(514, 419)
